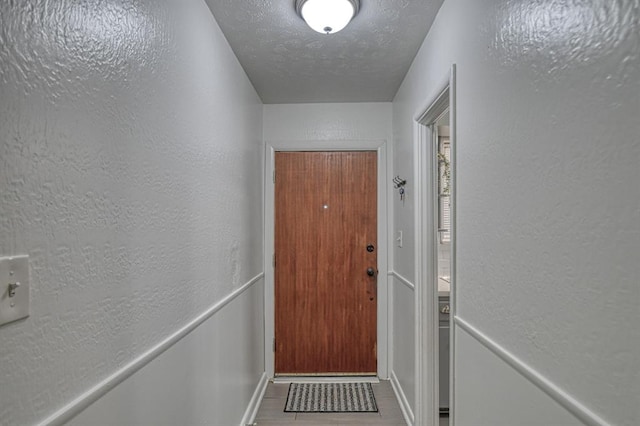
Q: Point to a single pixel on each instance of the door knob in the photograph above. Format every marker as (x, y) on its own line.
(371, 272)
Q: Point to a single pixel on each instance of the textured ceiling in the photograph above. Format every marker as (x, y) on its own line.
(287, 62)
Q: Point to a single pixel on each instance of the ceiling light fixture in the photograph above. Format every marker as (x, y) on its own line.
(327, 16)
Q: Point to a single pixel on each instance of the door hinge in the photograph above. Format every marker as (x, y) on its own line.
(274, 345)
(274, 176)
(273, 260)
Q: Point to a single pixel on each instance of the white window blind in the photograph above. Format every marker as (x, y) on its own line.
(444, 190)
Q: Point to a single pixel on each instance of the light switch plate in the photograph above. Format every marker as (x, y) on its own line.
(14, 270)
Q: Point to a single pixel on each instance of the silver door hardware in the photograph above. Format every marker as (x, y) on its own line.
(445, 309)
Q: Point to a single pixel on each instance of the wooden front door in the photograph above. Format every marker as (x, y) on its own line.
(325, 263)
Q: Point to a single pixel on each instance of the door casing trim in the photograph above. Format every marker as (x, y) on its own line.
(426, 270)
(380, 146)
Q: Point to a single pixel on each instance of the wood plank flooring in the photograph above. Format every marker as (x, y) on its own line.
(272, 413)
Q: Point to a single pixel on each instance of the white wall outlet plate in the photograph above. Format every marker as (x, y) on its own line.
(14, 288)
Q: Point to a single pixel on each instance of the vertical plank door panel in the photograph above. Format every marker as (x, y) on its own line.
(325, 303)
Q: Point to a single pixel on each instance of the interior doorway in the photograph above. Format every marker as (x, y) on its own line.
(326, 263)
(436, 255)
(443, 197)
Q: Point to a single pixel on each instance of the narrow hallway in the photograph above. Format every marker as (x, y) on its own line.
(136, 147)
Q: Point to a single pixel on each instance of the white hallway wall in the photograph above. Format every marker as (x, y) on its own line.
(548, 155)
(327, 122)
(330, 122)
(130, 172)
(207, 378)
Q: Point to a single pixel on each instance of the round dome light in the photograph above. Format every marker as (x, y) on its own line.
(327, 16)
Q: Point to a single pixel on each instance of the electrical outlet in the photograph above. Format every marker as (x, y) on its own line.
(399, 238)
(14, 288)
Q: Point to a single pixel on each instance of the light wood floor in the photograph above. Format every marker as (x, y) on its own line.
(272, 413)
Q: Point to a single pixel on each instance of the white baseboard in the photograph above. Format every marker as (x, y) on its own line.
(254, 405)
(407, 413)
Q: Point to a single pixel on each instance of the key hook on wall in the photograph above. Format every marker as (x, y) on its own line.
(399, 183)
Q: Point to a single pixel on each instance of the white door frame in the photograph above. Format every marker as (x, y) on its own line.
(426, 168)
(380, 146)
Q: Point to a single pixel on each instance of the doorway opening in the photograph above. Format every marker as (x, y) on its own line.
(442, 141)
(434, 149)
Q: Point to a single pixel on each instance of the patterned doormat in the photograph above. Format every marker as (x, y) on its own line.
(331, 398)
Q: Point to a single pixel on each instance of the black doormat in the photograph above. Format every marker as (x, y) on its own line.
(331, 398)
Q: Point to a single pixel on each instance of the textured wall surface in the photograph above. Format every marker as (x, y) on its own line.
(130, 172)
(548, 156)
(326, 123)
(322, 122)
(194, 382)
(403, 346)
(516, 400)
